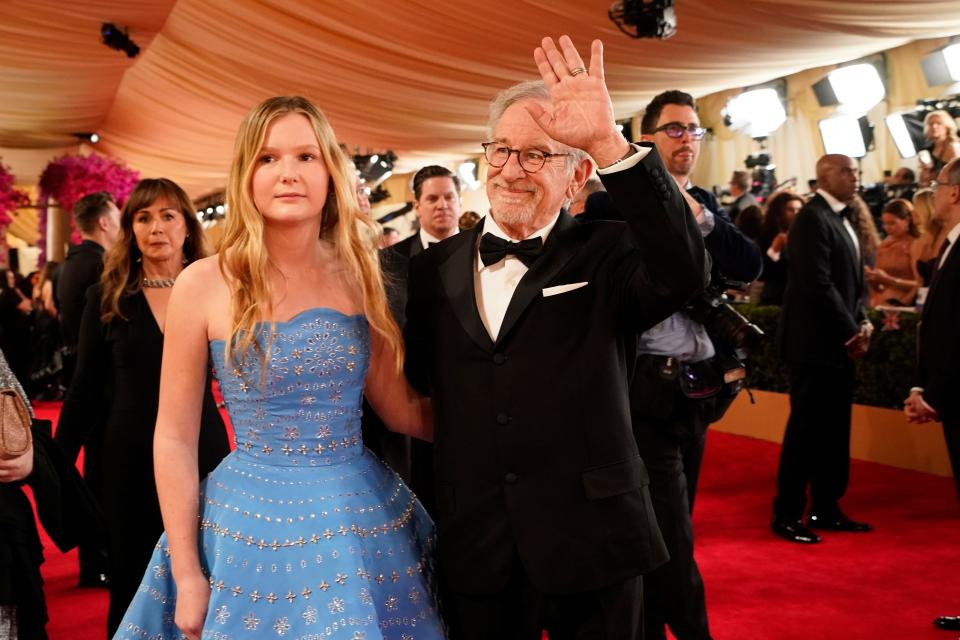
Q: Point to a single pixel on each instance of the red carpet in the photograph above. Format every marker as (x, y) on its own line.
(884, 585)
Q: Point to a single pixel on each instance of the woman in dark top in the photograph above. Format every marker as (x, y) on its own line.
(782, 208)
(15, 309)
(120, 345)
(944, 144)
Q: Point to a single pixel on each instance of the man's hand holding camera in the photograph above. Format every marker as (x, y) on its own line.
(859, 344)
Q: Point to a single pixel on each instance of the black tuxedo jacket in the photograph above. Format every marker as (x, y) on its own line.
(80, 270)
(938, 353)
(822, 306)
(395, 263)
(533, 448)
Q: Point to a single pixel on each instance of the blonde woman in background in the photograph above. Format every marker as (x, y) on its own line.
(941, 131)
(926, 248)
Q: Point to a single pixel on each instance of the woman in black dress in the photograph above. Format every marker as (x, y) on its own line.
(782, 208)
(118, 357)
(15, 309)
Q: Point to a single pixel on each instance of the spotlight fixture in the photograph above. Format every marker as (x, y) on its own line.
(114, 38)
(906, 129)
(644, 18)
(848, 135)
(88, 136)
(211, 208)
(942, 66)
(857, 88)
(374, 168)
(757, 112)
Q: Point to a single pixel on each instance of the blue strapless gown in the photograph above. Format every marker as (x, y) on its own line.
(304, 533)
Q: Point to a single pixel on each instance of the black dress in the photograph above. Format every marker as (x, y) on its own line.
(126, 355)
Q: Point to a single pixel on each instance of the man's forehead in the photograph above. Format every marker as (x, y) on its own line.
(439, 183)
(517, 127)
(678, 113)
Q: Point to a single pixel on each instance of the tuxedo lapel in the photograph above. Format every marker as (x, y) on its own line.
(837, 221)
(456, 274)
(557, 252)
(937, 281)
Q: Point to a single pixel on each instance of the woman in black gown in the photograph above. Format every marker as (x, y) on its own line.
(118, 357)
(782, 208)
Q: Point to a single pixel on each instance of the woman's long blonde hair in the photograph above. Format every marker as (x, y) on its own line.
(122, 269)
(243, 256)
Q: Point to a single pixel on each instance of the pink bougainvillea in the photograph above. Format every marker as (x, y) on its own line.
(68, 178)
(10, 198)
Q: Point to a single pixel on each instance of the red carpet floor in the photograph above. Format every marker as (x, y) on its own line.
(884, 585)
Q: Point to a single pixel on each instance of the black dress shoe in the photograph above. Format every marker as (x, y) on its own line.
(793, 530)
(948, 623)
(836, 521)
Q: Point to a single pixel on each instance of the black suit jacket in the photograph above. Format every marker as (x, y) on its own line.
(395, 263)
(80, 270)
(938, 353)
(533, 447)
(822, 304)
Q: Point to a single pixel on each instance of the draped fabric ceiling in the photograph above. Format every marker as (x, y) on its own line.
(407, 75)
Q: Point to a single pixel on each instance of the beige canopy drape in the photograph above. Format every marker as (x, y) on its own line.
(406, 75)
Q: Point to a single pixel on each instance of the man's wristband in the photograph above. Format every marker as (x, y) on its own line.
(916, 389)
(632, 150)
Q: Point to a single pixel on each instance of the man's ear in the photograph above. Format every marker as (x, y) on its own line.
(103, 223)
(581, 173)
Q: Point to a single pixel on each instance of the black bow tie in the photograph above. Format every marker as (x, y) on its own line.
(494, 249)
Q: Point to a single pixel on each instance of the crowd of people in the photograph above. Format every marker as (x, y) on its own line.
(368, 494)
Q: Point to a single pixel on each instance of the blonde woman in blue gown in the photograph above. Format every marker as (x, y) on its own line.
(300, 532)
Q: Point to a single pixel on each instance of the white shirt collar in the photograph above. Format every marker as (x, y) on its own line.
(490, 226)
(426, 238)
(835, 204)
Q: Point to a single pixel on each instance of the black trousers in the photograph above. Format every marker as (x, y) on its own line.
(816, 444)
(522, 612)
(951, 433)
(674, 593)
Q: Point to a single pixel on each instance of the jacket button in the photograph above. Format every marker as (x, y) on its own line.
(499, 358)
(656, 172)
(502, 418)
(510, 478)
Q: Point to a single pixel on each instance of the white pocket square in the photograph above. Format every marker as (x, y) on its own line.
(562, 288)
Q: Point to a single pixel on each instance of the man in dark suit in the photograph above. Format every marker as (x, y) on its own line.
(670, 427)
(823, 329)
(436, 202)
(98, 220)
(938, 343)
(938, 353)
(543, 516)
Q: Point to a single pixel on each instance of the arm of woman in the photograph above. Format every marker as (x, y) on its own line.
(400, 407)
(182, 379)
(48, 304)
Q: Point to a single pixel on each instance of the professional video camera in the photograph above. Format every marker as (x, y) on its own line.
(713, 311)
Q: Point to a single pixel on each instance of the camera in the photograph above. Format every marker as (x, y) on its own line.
(713, 311)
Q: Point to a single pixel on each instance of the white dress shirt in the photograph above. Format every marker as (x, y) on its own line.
(837, 207)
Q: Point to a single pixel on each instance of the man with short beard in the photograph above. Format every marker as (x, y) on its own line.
(670, 420)
(520, 330)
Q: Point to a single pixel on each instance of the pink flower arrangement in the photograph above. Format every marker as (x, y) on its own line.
(10, 198)
(68, 178)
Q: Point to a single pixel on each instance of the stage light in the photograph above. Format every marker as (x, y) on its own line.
(758, 112)
(88, 136)
(114, 38)
(644, 18)
(906, 129)
(468, 174)
(942, 66)
(857, 88)
(848, 135)
(374, 168)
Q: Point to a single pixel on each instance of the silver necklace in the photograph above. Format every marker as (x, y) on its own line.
(158, 283)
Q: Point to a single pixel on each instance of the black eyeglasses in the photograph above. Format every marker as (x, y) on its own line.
(531, 160)
(676, 130)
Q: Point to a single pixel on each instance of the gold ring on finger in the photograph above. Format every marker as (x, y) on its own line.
(577, 71)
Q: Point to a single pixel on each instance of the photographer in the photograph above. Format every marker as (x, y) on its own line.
(685, 377)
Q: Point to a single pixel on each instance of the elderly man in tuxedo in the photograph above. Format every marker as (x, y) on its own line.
(823, 329)
(521, 331)
(938, 344)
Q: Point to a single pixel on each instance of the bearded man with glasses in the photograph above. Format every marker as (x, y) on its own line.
(520, 331)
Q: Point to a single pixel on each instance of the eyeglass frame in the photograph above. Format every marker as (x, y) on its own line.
(510, 151)
(690, 129)
(936, 184)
